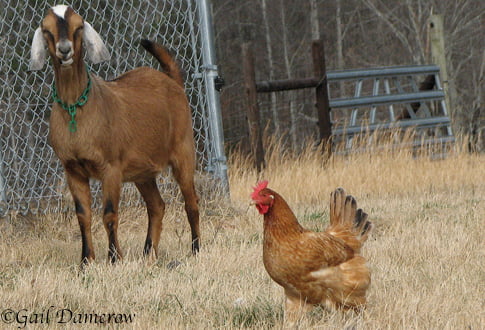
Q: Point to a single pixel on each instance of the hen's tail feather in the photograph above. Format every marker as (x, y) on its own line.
(362, 225)
(336, 203)
(350, 209)
(342, 208)
(344, 213)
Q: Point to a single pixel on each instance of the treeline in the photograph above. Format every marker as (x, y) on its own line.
(357, 34)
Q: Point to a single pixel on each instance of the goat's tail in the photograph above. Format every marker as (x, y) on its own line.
(169, 66)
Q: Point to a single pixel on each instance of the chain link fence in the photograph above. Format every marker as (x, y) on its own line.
(31, 178)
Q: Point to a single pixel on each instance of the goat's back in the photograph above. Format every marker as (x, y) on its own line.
(140, 121)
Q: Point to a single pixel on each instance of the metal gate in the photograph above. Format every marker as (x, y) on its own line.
(385, 98)
(31, 178)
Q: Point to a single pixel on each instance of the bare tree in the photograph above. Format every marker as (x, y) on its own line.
(314, 20)
(340, 50)
(463, 25)
(357, 33)
(271, 67)
(407, 22)
(289, 74)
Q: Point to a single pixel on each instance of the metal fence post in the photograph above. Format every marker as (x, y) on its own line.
(218, 163)
(3, 194)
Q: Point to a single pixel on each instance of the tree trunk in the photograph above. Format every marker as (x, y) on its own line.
(289, 74)
(314, 20)
(340, 51)
(269, 50)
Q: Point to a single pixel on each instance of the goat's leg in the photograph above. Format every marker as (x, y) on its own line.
(111, 197)
(184, 174)
(156, 210)
(81, 194)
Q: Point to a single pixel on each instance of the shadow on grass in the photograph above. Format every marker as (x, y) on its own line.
(263, 313)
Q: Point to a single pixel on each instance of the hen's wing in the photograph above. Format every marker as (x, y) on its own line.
(310, 266)
(347, 230)
(320, 249)
(331, 272)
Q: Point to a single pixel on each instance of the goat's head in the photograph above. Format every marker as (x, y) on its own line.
(64, 32)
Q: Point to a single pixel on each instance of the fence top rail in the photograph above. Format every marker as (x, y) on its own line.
(353, 74)
(286, 84)
(382, 72)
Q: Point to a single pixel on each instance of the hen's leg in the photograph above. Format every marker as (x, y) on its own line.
(295, 308)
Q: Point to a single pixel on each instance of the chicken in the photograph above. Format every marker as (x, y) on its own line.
(315, 268)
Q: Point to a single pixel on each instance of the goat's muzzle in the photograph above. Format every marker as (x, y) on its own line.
(64, 52)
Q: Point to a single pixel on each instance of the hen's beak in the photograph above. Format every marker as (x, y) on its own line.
(251, 203)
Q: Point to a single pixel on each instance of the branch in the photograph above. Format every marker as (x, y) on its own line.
(385, 19)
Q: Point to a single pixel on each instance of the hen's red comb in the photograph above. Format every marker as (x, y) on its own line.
(260, 186)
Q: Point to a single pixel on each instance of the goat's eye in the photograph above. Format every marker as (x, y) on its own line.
(48, 34)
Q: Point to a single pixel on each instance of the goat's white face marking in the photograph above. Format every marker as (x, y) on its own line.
(64, 32)
(60, 10)
(64, 47)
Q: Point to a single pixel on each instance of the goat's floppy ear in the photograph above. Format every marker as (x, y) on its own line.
(95, 47)
(38, 51)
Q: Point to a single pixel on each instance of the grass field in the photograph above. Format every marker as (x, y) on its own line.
(427, 252)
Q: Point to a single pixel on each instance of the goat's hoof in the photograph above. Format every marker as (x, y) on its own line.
(85, 262)
(195, 247)
(151, 258)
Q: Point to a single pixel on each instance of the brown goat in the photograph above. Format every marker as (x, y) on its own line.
(128, 129)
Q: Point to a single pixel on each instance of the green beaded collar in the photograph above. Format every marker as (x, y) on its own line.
(72, 108)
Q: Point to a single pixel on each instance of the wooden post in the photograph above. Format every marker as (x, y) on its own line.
(438, 57)
(322, 105)
(252, 105)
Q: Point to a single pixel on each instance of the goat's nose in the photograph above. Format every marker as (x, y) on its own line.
(64, 49)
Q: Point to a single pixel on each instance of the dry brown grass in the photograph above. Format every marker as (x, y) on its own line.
(426, 253)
